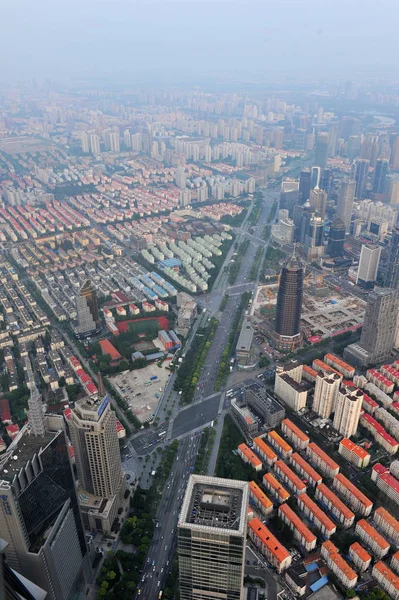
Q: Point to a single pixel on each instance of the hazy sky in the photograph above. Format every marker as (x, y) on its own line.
(190, 39)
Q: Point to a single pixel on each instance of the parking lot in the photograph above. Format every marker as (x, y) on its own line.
(142, 388)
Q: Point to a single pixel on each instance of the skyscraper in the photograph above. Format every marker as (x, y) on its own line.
(94, 144)
(98, 461)
(379, 329)
(114, 141)
(380, 176)
(39, 513)
(289, 305)
(395, 154)
(345, 202)
(360, 171)
(211, 539)
(314, 237)
(180, 178)
(392, 272)
(336, 239)
(84, 138)
(325, 393)
(368, 264)
(88, 316)
(347, 410)
(315, 177)
(321, 155)
(304, 186)
(318, 201)
(289, 192)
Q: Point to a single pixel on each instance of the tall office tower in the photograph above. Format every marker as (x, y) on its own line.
(368, 265)
(379, 329)
(88, 315)
(13, 585)
(321, 154)
(325, 393)
(336, 239)
(211, 539)
(94, 144)
(137, 144)
(353, 147)
(127, 140)
(345, 202)
(114, 141)
(360, 171)
(326, 180)
(98, 461)
(347, 410)
(394, 193)
(39, 513)
(392, 271)
(318, 201)
(304, 186)
(380, 176)
(315, 177)
(289, 305)
(395, 154)
(289, 194)
(333, 139)
(84, 138)
(314, 238)
(180, 178)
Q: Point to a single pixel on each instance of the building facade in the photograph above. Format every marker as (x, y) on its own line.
(212, 531)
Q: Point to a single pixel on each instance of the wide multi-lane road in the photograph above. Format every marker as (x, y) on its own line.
(164, 540)
(206, 407)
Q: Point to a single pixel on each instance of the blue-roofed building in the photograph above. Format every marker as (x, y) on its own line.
(319, 583)
(170, 262)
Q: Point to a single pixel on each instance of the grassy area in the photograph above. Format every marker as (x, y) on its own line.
(235, 266)
(190, 370)
(255, 265)
(230, 465)
(256, 210)
(204, 450)
(223, 369)
(272, 260)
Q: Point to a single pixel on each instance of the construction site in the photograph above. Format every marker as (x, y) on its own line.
(326, 311)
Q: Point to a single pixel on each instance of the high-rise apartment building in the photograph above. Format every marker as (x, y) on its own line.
(289, 305)
(211, 539)
(336, 238)
(392, 271)
(88, 315)
(347, 410)
(127, 139)
(98, 461)
(368, 264)
(180, 177)
(114, 141)
(360, 171)
(325, 393)
(94, 144)
(84, 138)
(345, 202)
(379, 329)
(321, 152)
(380, 176)
(39, 513)
(137, 142)
(318, 201)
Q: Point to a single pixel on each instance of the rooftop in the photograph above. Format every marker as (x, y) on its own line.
(215, 503)
(23, 448)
